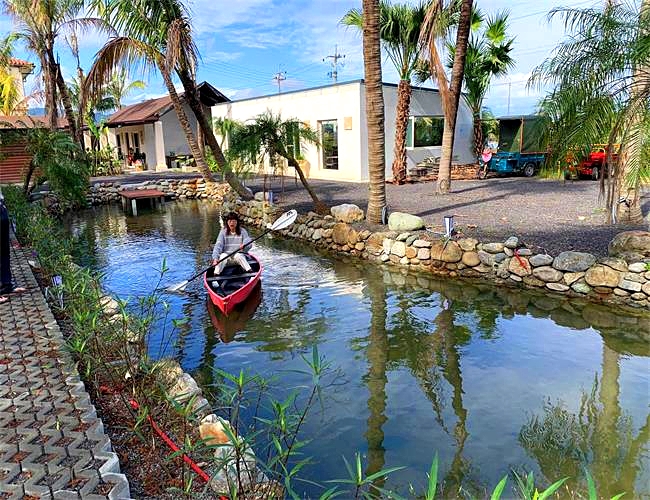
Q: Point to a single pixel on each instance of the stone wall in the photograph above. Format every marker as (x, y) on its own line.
(108, 192)
(611, 279)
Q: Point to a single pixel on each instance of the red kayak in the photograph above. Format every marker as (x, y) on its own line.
(233, 285)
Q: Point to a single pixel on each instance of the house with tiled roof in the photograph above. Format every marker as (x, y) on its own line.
(20, 69)
(149, 135)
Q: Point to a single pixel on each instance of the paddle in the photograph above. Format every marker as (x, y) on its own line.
(284, 221)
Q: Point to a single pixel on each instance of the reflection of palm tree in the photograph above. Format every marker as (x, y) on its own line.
(377, 353)
(599, 436)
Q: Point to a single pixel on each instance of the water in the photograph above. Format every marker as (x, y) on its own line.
(491, 379)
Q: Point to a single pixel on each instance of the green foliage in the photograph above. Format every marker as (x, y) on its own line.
(104, 162)
(56, 158)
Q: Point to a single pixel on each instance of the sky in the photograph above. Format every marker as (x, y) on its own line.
(245, 43)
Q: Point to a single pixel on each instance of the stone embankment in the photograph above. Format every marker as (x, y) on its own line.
(108, 192)
(623, 277)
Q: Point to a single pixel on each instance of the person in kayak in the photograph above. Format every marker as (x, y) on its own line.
(231, 238)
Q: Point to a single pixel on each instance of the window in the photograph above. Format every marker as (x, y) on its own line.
(119, 145)
(424, 131)
(329, 144)
(136, 142)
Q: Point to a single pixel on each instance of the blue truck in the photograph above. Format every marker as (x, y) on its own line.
(520, 149)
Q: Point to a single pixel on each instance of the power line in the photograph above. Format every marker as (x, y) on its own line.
(279, 77)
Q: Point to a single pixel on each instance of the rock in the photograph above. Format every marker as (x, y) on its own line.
(540, 260)
(581, 287)
(482, 268)
(387, 245)
(384, 257)
(646, 288)
(548, 274)
(486, 258)
(424, 254)
(557, 287)
(493, 247)
(347, 212)
(360, 247)
(374, 243)
(637, 267)
(422, 244)
(448, 251)
(634, 277)
(532, 281)
(184, 388)
(500, 257)
(524, 252)
(398, 221)
(516, 278)
(508, 251)
(630, 286)
(520, 266)
(574, 262)
(512, 242)
(599, 276)
(213, 430)
(630, 242)
(343, 233)
(614, 263)
(470, 259)
(411, 252)
(468, 244)
(570, 278)
(409, 241)
(603, 290)
(398, 249)
(638, 296)
(317, 235)
(404, 261)
(403, 237)
(621, 293)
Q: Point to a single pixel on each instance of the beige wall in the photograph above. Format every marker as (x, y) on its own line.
(340, 103)
(346, 104)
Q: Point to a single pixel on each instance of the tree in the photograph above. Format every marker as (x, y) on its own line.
(399, 30)
(609, 102)
(38, 26)
(374, 112)
(488, 55)
(435, 24)
(269, 135)
(164, 26)
(119, 87)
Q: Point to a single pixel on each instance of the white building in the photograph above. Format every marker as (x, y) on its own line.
(149, 134)
(338, 113)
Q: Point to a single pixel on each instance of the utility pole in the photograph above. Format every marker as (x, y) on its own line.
(335, 61)
(279, 77)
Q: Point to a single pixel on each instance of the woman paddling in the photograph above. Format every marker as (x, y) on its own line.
(231, 238)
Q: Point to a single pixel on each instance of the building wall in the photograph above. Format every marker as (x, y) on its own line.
(173, 135)
(346, 104)
(337, 102)
(426, 102)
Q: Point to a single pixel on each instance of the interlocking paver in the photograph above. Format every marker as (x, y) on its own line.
(52, 444)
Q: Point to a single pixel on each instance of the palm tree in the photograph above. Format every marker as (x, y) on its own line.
(399, 30)
(269, 135)
(374, 112)
(488, 55)
(38, 26)
(610, 101)
(164, 28)
(119, 86)
(436, 23)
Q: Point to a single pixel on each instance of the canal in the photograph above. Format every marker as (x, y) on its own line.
(490, 379)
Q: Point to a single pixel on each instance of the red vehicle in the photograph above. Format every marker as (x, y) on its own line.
(596, 161)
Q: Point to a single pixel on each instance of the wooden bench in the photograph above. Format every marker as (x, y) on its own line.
(141, 194)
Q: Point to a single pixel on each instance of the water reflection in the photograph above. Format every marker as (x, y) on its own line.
(229, 326)
(488, 377)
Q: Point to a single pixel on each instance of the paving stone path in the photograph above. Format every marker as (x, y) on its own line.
(52, 444)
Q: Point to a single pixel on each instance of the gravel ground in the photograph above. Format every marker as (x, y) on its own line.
(550, 216)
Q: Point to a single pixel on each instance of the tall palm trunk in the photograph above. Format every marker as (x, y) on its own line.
(185, 124)
(193, 101)
(67, 106)
(401, 122)
(478, 134)
(319, 207)
(455, 87)
(374, 112)
(50, 91)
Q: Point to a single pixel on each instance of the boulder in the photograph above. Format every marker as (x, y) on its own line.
(614, 263)
(630, 242)
(557, 287)
(471, 259)
(422, 244)
(637, 267)
(343, 233)
(493, 247)
(398, 221)
(520, 266)
(574, 262)
(541, 260)
(548, 274)
(448, 251)
(468, 244)
(374, 243)
(411, 252)
(571, 278)
(581, 287)
(424, 254)
(602, 276)
(398, 249)
(347, 212)
(512, 242)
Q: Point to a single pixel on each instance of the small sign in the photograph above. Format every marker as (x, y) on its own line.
(347, 123)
